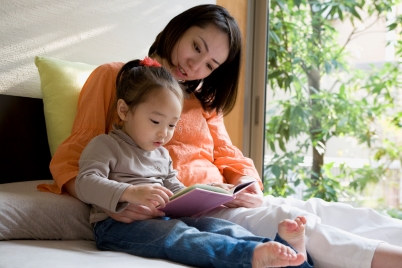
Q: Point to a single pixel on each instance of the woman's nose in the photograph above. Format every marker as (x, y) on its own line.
(195, 63)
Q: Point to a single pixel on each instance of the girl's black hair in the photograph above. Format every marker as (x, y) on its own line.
(219, 89)
(136, 83)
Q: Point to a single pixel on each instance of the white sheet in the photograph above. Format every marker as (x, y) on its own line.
(76, 253)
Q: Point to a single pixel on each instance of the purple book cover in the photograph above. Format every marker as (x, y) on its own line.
(199, 200)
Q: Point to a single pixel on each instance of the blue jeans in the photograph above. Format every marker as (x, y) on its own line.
(201, 242)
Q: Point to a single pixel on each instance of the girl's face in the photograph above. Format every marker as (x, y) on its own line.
(151, 124)
(199, 52)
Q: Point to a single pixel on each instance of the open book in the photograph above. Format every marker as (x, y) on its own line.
(200, 198)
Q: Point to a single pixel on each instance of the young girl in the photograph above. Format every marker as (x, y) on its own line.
(201, 47)
(129, 165)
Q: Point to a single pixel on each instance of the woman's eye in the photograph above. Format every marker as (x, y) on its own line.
(155, 122)
(209, 66)
(196, 47)
(172, 126)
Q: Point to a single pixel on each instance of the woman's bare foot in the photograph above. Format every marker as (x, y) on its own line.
(292, 231)
(275, 254)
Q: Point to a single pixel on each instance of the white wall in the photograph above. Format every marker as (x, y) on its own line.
(90, 31)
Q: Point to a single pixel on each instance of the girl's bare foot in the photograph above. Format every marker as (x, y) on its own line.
(292, 231)
(274, 254)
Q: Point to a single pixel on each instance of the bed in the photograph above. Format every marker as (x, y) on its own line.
(39, 229)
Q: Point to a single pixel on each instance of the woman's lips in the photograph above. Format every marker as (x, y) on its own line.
(181, 73)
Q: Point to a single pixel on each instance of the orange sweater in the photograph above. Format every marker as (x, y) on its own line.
(200, 148)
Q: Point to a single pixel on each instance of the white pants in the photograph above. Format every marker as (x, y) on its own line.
(337, 235)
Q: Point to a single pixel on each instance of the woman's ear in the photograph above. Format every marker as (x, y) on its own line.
(122, 109)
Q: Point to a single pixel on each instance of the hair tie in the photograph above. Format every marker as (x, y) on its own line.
(147, 61)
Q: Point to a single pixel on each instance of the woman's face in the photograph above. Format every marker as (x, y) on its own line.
(199, 52)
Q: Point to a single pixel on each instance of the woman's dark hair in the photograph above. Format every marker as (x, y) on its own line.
(136, 83)
(219, 89)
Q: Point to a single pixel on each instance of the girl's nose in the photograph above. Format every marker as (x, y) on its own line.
(162, 133)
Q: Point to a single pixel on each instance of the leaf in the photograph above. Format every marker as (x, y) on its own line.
(272, 146)
(297, 60)
(282, 145)
(297, 3)
(340, 14)
(274, 37)
(354, 13)
(328, 67)
(392, 26)
(276, 170)
(275, 74)
(342, 90)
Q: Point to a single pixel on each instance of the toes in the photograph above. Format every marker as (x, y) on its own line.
(302, 219)
(298, 260)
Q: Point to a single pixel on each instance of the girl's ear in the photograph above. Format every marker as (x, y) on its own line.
(122, 109)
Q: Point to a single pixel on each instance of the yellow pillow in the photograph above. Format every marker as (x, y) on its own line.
(61, 83)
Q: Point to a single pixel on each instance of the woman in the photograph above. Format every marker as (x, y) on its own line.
(202, 47)
(130, 165)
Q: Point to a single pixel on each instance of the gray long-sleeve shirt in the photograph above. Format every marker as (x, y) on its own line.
(110, 163)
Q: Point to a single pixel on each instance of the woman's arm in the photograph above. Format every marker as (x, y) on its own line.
(234, 166)
(251, 197)
(94, 102)
(228, 158)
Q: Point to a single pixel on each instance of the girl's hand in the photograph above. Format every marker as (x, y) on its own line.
(148, 195)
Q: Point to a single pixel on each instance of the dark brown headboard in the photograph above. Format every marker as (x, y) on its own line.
(24, 150)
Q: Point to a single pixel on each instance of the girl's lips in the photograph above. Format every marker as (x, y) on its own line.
(157, 144)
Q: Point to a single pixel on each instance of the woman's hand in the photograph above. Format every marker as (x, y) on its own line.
(251, 197)
(135, 213)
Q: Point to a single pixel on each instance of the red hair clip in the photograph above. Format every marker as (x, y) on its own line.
(147, 61)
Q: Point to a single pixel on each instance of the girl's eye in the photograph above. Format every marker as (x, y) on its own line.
(173, 126)
(155, 122)
(209, 66)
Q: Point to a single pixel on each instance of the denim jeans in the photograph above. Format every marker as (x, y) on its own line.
(201, 242)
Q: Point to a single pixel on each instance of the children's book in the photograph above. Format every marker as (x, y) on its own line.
(200, 198)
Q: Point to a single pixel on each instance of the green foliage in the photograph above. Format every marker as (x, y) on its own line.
(278, 173)
(395, 213)
(303, 50)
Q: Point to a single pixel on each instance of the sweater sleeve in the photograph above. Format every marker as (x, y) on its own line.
(93, 185)
(171, 181)
(226, 155)
(94, 101)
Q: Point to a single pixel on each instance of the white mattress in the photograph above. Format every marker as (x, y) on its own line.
(76, 253)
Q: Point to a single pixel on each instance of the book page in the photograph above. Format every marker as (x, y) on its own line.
(241, 187)
(200, 186)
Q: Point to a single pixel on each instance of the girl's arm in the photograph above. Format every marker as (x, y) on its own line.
(93, 185)
(102, 156)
